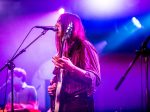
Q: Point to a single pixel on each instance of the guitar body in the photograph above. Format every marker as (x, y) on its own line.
(55, 100)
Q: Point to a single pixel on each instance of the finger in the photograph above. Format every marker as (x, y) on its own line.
(51, 82)
(54, 60)
(51, 93)
(65, 58)
(54, 84)
(57, 60)
(62, 60)
(59, 65)
(51, 89)
(55, 57)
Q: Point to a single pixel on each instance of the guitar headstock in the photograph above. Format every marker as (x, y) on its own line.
(68, 32)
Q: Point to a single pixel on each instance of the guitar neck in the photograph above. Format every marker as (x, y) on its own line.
(60, 76)
(58, 90)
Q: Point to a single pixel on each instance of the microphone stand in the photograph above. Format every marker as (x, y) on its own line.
(147, 81)
(145, 52)
(11, 66)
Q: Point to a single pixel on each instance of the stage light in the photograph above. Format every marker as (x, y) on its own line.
(100, 46)
(61, 10)
(136, 22)
(101, 8)
(105, 8)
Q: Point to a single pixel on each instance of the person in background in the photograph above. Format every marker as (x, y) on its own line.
(80, 64)
(25, 96)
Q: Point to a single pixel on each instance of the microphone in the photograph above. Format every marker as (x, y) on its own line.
(53, 28)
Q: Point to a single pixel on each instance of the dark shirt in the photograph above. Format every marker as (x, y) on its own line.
(85, 58)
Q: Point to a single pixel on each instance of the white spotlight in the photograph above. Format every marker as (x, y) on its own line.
(136, 22)
(61, 10)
